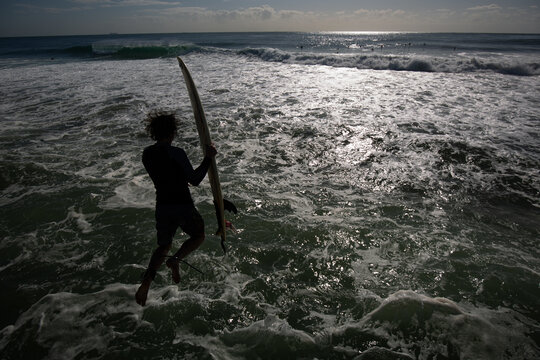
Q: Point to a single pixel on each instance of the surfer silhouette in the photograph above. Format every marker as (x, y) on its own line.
(171, 172)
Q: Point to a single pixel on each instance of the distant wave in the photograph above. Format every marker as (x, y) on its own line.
(76, 50)
(375, 61)
(112, 50)
(137, 52)
(396, 62)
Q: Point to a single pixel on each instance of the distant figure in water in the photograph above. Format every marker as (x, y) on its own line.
(171, 171)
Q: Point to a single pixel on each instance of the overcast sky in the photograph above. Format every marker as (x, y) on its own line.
(76, 17)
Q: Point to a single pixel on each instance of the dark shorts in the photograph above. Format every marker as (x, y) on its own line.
(171, 216)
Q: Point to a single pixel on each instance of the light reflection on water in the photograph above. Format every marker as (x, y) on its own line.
(352, 186)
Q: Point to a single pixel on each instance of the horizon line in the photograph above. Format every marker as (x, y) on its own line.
(349, 32)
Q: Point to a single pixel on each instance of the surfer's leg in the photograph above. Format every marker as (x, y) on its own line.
(166, 229)
(158, 256)
(193, 225)
(167, 222)
(142, 292)
(187, 248)
(175, 269)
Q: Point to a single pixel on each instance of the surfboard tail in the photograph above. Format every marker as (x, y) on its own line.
(229, 206)
(221, 233)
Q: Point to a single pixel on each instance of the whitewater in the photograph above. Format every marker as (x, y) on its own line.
(387, 186)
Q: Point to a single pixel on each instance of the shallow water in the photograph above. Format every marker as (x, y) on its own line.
(378, 208)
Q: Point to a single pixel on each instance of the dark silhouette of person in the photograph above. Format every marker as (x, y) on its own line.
(171, 172)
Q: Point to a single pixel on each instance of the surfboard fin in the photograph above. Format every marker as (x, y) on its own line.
(229, 206)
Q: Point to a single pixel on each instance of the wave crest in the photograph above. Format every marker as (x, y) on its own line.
(143, 51)
(396, 62)
(456, 63)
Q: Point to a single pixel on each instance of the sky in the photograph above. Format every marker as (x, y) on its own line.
(81, 17)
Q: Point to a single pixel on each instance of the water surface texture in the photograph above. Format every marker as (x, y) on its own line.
(388, 189)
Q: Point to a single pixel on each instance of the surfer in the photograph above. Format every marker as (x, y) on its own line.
(171, 171)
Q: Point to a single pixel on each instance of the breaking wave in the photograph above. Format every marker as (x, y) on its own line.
(461, 64)
(137, 52)
(406, 324)
(457, 63)
(105, 50)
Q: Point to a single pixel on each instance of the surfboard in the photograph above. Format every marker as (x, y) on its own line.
(204, 137)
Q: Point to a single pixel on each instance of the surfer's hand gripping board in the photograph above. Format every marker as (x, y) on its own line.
(204, 136)
(210, 151)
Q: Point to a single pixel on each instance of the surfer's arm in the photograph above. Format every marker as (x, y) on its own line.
(199, 173)
(193, 176)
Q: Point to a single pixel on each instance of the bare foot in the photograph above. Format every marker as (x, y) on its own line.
(142, 292)
(172, 263)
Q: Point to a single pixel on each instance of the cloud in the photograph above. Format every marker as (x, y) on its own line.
(378, 13)
(485, 18)
(287, 14)
(50, 10)
(485, 7)
(151, 16)
(91, 4)
(267, 18)
(263, 13)
(110, 3)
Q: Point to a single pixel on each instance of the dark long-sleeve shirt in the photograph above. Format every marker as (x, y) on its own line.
(171, 171)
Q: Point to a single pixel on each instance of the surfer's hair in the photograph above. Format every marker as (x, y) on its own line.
(161, 125)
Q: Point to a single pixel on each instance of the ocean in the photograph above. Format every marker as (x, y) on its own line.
(388, 188)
